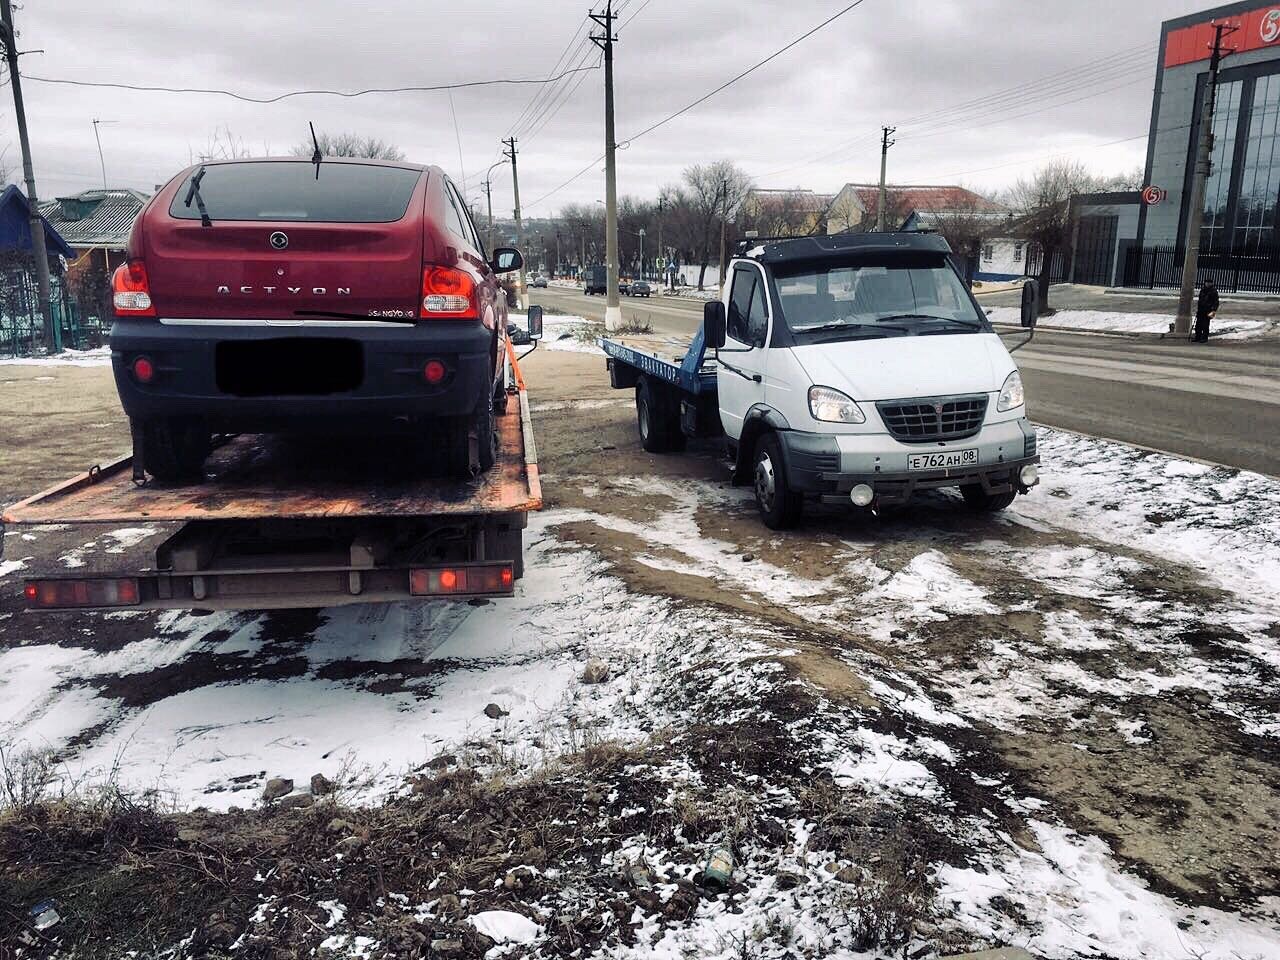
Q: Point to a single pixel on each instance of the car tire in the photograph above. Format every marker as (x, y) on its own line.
(780, 506)
(457, 437)
(658, 418)
(175, 449)
(978, 499)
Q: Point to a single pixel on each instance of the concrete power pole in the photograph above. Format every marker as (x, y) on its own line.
(613, 310)
(510, 154)
(885, 144)
(9, 37)
(1204, 154)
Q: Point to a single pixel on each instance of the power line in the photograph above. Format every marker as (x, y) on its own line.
(559, 95)
(556, 66)
(305, 93)
(639, 11)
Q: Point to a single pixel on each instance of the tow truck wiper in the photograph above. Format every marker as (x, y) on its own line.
(931, 316)
(338, 315)
(840, 325)
(193, 193)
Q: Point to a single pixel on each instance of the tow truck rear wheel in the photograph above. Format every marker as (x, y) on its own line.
(978, 498)
(658, 418)
(780, 506)
(175, 448)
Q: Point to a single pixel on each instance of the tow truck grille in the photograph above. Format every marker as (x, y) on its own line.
(934, 418)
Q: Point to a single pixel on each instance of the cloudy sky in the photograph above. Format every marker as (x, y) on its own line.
(981, 90)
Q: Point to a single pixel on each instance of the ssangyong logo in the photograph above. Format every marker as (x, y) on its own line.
(1271, 26)
(279, 240)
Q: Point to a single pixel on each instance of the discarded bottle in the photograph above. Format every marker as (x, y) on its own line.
(719, 868)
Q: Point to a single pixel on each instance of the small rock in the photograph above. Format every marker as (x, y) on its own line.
(446, 949)
(898, 634)
(494, 712)
(1200, 698)
(831, 867)
(848, 875)
(748, 557)
(517, 879)
(321, 786)
(276, 788)
(296, 801)
(338, 825)
(596, 671)
(788, 880)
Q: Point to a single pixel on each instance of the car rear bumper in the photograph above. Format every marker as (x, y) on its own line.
(256, 377)
(832, 465)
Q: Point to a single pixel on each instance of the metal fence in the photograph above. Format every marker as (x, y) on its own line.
(1256, 271)
(22, 328)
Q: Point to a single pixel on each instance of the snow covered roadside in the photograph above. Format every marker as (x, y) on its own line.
(97, 357)
(571, 334)
(1107, 321)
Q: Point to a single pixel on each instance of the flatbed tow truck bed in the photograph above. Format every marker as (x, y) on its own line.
(299, 522)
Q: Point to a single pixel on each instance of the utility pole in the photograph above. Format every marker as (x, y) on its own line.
(885, 144)
(605, 41)
(661, 253)
(1204, 154)
(642, 253)
(558, 269)
(9, 37)
(724, 217)
(510, 154)
(488, 192)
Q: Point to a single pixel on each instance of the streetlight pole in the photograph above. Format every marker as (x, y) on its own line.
(641, 253)
(488, 192)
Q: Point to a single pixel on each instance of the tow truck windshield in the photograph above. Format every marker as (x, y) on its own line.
(825, 301)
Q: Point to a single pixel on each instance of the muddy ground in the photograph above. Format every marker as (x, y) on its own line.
(1129, 694)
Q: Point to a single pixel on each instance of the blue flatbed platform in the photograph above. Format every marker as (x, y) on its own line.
(691, 374)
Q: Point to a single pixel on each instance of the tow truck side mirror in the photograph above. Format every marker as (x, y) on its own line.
(535, 323)
(713, 323)
(506, 259)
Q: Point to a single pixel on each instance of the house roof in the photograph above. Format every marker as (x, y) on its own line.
(927, 198)
(15, 225)
(805, 200)
(96, 218)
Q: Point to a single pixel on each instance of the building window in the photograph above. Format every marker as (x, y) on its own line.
(988, 253)
(1260, 182)
(1213, 234)
(1017, 253)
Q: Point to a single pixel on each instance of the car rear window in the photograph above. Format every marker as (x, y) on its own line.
(343, 193)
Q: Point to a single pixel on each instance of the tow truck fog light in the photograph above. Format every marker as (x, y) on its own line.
(51, 594)
(461, 581)
(862, 495)
(144, 371)
(1029, 475)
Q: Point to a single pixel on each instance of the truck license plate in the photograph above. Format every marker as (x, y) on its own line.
(942, 461)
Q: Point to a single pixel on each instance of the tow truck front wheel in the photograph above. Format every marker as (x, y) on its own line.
(780, 506)
(978, 499)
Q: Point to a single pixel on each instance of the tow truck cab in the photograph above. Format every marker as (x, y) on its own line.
(861, 368)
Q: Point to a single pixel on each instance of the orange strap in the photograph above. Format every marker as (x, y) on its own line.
(515, 364)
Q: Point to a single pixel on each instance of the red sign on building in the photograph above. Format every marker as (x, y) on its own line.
(1258, 28)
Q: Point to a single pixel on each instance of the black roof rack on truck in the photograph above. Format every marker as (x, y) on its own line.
(781, 249)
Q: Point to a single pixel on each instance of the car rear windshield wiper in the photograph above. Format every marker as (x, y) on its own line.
(338, 315)
(933, 316)
(193, 193)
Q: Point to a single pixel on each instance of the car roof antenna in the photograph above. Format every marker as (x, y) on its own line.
(317, 156)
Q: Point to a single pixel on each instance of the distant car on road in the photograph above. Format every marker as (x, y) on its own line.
(624, 286)
(639, 288)
(538, 282)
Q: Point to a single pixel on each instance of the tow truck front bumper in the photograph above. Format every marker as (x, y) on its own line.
(832, 465)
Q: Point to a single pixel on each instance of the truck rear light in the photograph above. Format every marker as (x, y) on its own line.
(448, 293)
(434, 372)
(51, 594)
(144, 371)
(131, 291)
(462, 581)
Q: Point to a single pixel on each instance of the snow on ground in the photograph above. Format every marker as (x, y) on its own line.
(574, 334)
(1112, 321)
(97, 357)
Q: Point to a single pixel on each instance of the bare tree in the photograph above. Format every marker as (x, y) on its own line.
(6, 172)
(781, 213)
(964, 223)
(349, 145)
(715, 193)
(1133, 179)
(1043, 202)
(224, 145)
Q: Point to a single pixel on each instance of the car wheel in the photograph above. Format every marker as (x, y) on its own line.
(978, 498)
(780, 506)
(175, 449)
(458, 432)
(657, 419)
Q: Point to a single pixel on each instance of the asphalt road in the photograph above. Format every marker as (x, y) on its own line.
(1218, 402)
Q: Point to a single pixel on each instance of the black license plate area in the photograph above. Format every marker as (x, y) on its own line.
(289, 367)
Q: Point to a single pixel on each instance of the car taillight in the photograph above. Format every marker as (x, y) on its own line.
(434, 371)
(51, 594)
(448, 294)
(462, 581)
(131, 293)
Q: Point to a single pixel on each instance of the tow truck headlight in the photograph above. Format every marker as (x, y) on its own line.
(832, 406)
(1011, 394)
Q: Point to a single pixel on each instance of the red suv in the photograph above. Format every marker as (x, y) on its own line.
(286, 295)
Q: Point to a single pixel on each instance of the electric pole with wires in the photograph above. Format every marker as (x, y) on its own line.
(605, 41)
(8, 37)
(1204, 159)
(885, 144)
(510, 154)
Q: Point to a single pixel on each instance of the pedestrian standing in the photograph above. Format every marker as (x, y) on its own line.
(1206, 310)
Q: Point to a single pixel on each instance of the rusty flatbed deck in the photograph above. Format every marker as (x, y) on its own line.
(265, 478)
